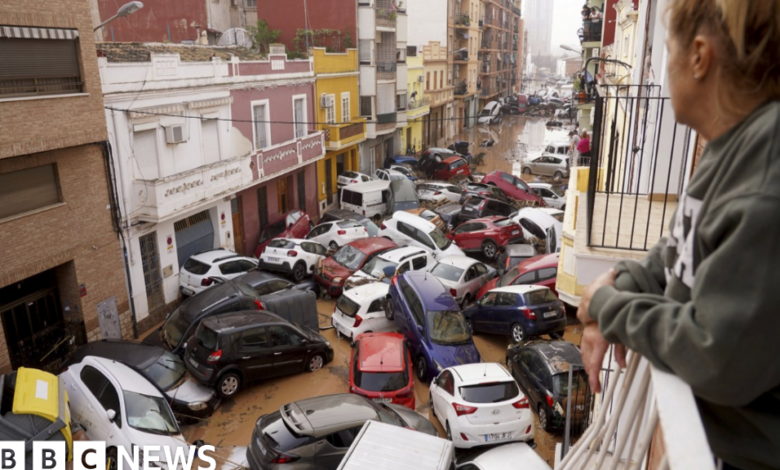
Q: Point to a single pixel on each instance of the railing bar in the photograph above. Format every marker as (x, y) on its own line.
(623, 439)
(656, 146)
(637, 429)
(606, 170)
(621, 175)
(668, 179)
(641, 160)
(647, 437)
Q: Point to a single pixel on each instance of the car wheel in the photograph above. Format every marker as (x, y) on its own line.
(489, 249)
(333, 246)
(558, 176)
(228, 385)
(315, 363)
(111, 455)
(518, 334)
(299, 270)
(387, 306)
(526, 171)
(422, 369)
(544, 421)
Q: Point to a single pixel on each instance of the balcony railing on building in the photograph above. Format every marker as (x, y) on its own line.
(386, 70)
(486, 91)
(591, 31)
(462, 21)
(461, 55)
(461, 89)
(417, 104)
(386, 13)
(640, 158)
(344, 133)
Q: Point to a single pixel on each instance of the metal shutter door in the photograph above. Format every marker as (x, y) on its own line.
(210, 141)
(193, 234)
(145, 151)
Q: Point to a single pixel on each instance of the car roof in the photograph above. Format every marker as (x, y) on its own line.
(138, 355)
(404, 188)
(470, 374)
(550, 210)
(381, 352)
(540, 185)
(367, 186)
(415, 220)
(438, 150)
(255, 277)
(397, 255)
(459, 261)
(372, 244)
(520, 250)
(193, 307)
(366, 292)
(558, 354)
(431, 291)
(345, 214)
(510, 456)
(479, 185)
(491, 105)
(129, 380)
(480, 198)
(320, 416)
(491, 219)
(452, 159)
(234, 320)
(549, 260)
(521, 289)
(535, 215)
(213, 256)
(390, 171)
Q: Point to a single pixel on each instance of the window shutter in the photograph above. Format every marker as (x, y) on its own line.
(261, 140)
(145, 151)
(39, 66)
(210, 141)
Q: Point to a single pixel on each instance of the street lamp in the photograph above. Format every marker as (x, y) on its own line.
(124, 10)
(570, 49)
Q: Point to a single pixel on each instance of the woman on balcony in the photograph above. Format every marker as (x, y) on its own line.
(703, 303)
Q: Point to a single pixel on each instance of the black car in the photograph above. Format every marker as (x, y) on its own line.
(541, 368)
(478, 207)
(450, 214)
(231, 349)
(343, 214)
(483, 190)
(228, 296)
(188, 398)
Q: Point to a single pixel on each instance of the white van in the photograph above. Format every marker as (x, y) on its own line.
(381, 446)
(369, 199)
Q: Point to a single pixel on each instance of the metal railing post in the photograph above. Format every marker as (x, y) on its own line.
(567, 430)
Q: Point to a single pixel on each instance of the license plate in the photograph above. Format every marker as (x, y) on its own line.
(193, 362)
(515, 232)
(188, 291)
(273, 260)
(261, 447)
(498, 436)
(550, 314)
(382, 400)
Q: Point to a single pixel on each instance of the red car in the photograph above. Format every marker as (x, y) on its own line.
(488, 235)
(453, 166)
(350, 258)
(513, 186)
(540, 270)
(381, 369)
(293, 224)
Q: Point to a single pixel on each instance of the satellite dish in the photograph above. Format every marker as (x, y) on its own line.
(236, 37)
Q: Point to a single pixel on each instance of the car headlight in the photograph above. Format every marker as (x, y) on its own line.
(438, 366)
(327, 343)
(197, 406)
(338, 279)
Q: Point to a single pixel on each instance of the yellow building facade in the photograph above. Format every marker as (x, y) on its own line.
(336, 108)
(418, 105)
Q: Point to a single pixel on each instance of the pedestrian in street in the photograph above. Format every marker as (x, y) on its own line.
(703, 303)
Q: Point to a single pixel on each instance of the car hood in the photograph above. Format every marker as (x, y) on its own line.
(414, 419)
(141, 439)
(333, 269)
(453, 249)
(485, 119)
(191, 391)
(455, 355)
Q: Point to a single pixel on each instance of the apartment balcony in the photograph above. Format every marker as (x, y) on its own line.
(461, 90)
(342, 135)
(386, 118)
(440, 96)
(461, 56)
(418, 108)
(386, 70)
(590, 32)
(386, 15)
(462, 22)
(482, 23)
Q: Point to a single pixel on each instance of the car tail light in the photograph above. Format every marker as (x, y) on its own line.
(206, 282)
(285, 458)
(461, 410)
(358, 321)
(529, 314)
(214, 357)
(342, 232)
(354, 181)
(463, 436)
(482, 204)
(437, 193)
(453, 292)
(365, 229)
(259, 305)
(550, 400)
(364, 213)
(383, 226)
(520, 404)
(292, 253)
(528, 430)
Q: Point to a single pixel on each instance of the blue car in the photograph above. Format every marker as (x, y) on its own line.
(518, 311)
(401, 160)
(432, 324)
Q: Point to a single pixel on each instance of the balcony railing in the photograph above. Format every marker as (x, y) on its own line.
(460, 56)
(462, 21)
(638, 164)
(591, 31)
(386, 70)
(417, 104)
(461, 89)
(347, 133)
(386, 118)
(386, 13)
(486, 91)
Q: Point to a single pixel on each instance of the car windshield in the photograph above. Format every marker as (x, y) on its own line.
(447, 272)
(381, 381)
(557, 191)
(206, 337)
(149, 414)
(387, 415)
(166, 371)
(539, 297)
(508, 277)
(448, 327)
(579, 383)
(349, 257)
(439, 239)
(347, 306)
(490, 392)
(378, 267)
(485, 112)
(281, 243)
(175, 327)
(196, 267)
(272, 231)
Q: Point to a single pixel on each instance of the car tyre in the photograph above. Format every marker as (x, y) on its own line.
(228, 385)
(489, 249)
(558, 176)
(299, 271)
(526, 171)
(422, 369)
(387, 306)
(316, 362)
(518, 333)
(333, 246)
(544, 420)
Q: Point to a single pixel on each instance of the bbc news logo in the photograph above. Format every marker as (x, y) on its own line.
(91, 455)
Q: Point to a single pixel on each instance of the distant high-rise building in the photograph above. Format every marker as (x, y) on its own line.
(538, 23)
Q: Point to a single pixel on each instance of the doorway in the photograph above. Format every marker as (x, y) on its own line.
(329, 180)
(284, 191)
(236, 208)
(408, 139)
(150, 261)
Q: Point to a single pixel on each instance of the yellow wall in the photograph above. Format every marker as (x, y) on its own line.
(415, 70)
(350, 163)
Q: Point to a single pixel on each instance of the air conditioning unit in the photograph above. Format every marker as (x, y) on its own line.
(327, 101)
(175, 134)
(420, 79)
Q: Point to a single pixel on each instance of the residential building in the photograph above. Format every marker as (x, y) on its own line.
(419, 104)
(568, 66)
(539, 18)
(337, 115)
(499, 50)
(518, 43)
(205, 154)
(61, 280)
(436, 130)
(467, 38)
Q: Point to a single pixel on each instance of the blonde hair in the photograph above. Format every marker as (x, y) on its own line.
(748, 34)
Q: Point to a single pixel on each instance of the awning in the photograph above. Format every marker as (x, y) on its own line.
(27, 32)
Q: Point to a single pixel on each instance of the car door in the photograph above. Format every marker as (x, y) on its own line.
(443, 395)
(255, 354)
(318, 233)
(376, 317)
(505, 312)
(312, 252)
(476, 235)
(423, 240)
(525, 279)
(415, 328)
(101, 395)
(405, 234)
(289, 350)
(471, 280)
(482, 318)
(523, 376)
(549, 197)
(301, 225)
(462, 236)
(547, 277)
(332, 448)
(536, 379)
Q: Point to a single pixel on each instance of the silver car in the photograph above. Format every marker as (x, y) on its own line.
(463, 276)
(556, 166)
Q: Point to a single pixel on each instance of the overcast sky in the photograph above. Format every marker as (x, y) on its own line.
(566, 22)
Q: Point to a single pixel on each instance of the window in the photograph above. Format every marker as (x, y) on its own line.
(364, 50)
(441, 80)
(527, 278)
(343, 439)
(145, 152)
(27, 190)
(260, 116)
(490, 299)
(210, 132)
(400, 101)
(427, 80)
(419, 263)
(505, 299)
(411, 51)
(547, 273)
(376, 306)
(40, 66)
(254, 339)
(302, 190)
(262, 206)
(251, 3)
(102, 390)
(345, 114)
(435, 78)
(299, 116)
(400, 55)
(445, 382)
(366, 106)
(330, 111)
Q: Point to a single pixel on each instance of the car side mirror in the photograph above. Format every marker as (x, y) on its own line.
(304, 341)
(111, 415)
(290, 226)
(420, 328)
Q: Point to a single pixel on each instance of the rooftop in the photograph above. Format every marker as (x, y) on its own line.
(141, 52)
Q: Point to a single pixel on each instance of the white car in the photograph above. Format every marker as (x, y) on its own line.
(491, 114)
(337, 234)
(406, 229)
(463, 276)
(195, 275)
(351, 177)
(389, 175)
(403, 170)
(481, 404)
(118, 405)
(553, 196)
(557, 213)
(294, 256)
(392, 262)
(539, 225)
(505, 457)
(438, 192)
(362, 310)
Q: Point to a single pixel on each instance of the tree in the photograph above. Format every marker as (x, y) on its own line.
(263, 36)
